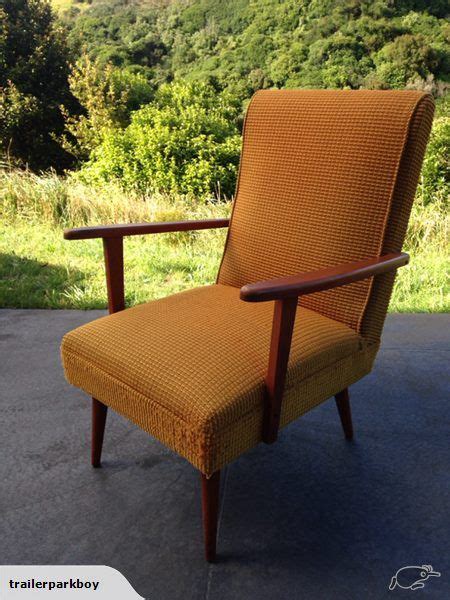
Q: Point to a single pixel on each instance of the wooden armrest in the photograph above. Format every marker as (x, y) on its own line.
(113, 235)
(126, 229)
(286, 291)
(325, 279)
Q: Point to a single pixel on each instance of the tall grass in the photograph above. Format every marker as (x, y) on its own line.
(423, 286)
(41, 270)
(67, 202)
(38, 269)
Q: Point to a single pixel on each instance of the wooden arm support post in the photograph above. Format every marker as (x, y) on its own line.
(280, 346)
(286, 292)
(113, 252)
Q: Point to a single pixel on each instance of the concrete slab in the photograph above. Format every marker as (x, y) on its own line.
(311, 517)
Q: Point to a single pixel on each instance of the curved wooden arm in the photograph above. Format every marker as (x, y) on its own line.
(285, 291)
(126, 229)
(325, 279)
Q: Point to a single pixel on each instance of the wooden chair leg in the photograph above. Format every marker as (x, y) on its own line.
(210, 507)
(345, 413)
(99, 412)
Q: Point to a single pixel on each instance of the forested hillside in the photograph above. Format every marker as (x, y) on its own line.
(218, 54)
(249, 44)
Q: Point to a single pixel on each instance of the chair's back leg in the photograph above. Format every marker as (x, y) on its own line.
(343, 406)
(99, 412)
(210, 507)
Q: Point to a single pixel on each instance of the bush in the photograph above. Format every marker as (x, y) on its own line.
(434, 186)
(186, 141)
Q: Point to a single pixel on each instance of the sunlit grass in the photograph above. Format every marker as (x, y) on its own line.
(60, 5)
(423, 286)
(38, 269)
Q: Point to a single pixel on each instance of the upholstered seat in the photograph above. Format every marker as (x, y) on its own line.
(189, 369)
(325, 188)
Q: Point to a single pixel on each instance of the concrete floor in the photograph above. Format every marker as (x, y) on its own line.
(312, 517)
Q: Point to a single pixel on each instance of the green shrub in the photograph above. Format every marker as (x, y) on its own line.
(186, 141)
(434, 185)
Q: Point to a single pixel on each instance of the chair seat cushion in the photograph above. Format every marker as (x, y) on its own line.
(189, 369)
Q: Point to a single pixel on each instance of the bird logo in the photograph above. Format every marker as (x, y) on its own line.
(412, 578)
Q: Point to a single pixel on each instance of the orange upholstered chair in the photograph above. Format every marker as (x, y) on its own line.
(326, 184)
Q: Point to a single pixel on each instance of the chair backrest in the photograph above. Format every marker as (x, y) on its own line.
(327, 177)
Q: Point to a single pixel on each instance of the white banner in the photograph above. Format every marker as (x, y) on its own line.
(57, 581)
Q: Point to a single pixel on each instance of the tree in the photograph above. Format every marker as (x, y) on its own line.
(404, 59)
(247, 45)
(434, 183)
(34, 69)
(107, 96)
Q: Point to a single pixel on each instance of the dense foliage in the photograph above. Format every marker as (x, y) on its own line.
(185, 141)
(109, 96)
(34, 74)
(157, 89)
(435, 180)
(248, 44)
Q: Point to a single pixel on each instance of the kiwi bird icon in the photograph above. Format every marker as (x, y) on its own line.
(412, 578)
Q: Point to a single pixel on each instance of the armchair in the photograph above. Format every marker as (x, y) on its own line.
(297, 311)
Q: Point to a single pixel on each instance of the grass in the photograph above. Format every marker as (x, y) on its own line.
(38, 269)
(423, 286)
(44, 271)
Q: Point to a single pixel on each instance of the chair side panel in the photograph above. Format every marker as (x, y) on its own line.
(404, 193)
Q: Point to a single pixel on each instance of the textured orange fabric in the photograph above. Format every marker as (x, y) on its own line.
(189, 368)
(316, 183)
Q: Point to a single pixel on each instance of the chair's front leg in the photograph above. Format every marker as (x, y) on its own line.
(210, 509)
(113, 251)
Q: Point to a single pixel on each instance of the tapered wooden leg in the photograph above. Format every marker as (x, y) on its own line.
(345, 413)
(99, 412)
(210, 507)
